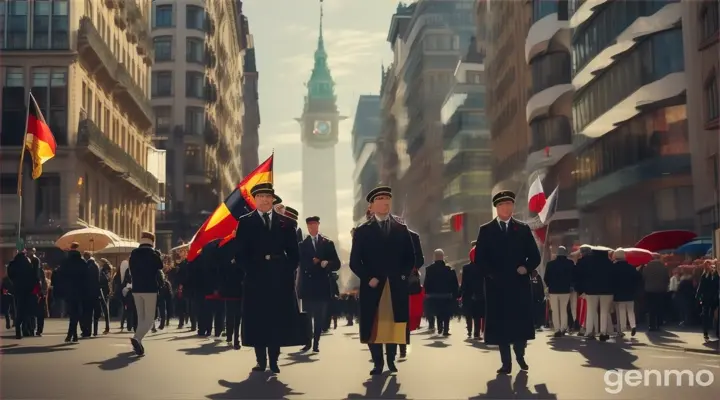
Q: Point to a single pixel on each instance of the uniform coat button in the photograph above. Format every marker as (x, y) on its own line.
(402, 277)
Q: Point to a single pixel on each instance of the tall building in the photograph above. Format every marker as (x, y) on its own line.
(88, 67)
(467, 198)
(509, 87)
(703, 107)
(251, 118)
(549, 114)
(198, 102)
(365, 131)
(434, 38)
(630, 120)
(319, 126)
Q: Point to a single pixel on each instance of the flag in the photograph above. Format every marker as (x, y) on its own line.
(39, 140)
(223, 221)
(456, 222)
(548, 211)
(536, 197)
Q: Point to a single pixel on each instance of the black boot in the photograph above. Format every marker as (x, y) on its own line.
(505, 358)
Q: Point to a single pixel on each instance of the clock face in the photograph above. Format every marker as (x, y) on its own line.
(322, 128)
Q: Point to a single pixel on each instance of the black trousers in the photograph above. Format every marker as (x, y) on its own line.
(472, 324)
(518, 348)
(318, 311)
(74, 311)
(212, 314)
(233, 315)
(403, 347)
(262, 354)
(376, 351)
(129, 313)
(40, 312)
(181, 310)
(88, 307)
(24, 308)
(164, 311)
(655, 304)
(443, 310)
(708, 316)
(100, 308)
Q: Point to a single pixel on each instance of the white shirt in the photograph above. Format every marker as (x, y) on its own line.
(674, 283)
(507, 222)
(314, 240)
(381, 219)
(270, 215)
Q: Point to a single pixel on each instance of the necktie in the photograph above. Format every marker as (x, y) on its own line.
(503, 225)
(386, 226)
(266, 217)
(314, 242)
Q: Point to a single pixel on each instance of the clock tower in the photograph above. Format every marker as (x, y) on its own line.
(319, 129)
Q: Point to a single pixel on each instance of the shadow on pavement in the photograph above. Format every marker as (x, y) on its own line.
(374, 388)
(713, 345)
(120, 361)
(185, 337)
(15, 349)
(214, 347)
(502, 387)
(478, 344)
(605, 356)
(258, 385)
(437, 344)
(664, 338)
(299, 358)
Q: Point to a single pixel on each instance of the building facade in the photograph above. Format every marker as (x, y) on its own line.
(700, 22)
(365, 131)
(509, 88)
(549, 114)
(319, 126)
(467, 155)
(251, 118)
(630, 120)
(435, 37)
(198, 102)
(88, 66)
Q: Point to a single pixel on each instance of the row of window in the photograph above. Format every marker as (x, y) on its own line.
(194, 119)
(550, 70)
(712, 99)
(194, 49)
(543, 8)
(650, 135)
(112, 124)
(164, 17)
(468, 183)
(606, 24)
(162, 84)
(709, 20)
(654, 58)
(549, 132)
(441, 42)
(38, 25)
(49, 87)
(47, 195)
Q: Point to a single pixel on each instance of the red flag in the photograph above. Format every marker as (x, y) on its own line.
(456, 222)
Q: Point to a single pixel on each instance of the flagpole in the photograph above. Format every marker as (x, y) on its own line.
(546, 246)
(20, 167)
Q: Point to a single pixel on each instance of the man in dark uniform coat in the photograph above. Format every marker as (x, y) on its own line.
(382, 256)
(267, 250)
(318, 260)
(472, 292)
(506, 255)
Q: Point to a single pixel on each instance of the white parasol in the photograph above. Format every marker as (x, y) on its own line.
(92, 239)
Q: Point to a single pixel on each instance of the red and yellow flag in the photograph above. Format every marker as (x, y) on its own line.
(39, 140)
(223, 222)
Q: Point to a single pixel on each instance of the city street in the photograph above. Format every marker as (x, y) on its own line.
(179, 365)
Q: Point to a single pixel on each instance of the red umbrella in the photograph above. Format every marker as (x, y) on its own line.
(664, 240)
(637, 257)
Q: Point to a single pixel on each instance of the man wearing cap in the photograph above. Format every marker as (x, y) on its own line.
(559, 280)
(293, 215)
(382, 256)
(278, 206)
(506, 254)
(145, 265)
(267, 250)
(318, 260)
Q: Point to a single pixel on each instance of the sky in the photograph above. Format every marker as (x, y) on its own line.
(285, 35)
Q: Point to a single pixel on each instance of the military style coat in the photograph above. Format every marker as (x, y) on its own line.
(389, 257)
(508, 295)
(269, 258)
(316, 284)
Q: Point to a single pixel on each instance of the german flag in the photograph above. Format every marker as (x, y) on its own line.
(39, 140)
(223, 222)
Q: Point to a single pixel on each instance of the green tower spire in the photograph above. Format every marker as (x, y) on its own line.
(321, 85)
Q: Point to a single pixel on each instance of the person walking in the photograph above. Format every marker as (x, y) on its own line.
(145, 265)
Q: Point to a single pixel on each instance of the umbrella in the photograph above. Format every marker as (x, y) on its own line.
(663, 240)
(123, 246)
(93, 239)
(602, 248)
(637, 257)
(181, 247)
(695, 247)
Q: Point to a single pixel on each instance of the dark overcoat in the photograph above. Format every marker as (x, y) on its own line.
(391, 256)
(269, 258)
(508, 295)
(316, 282)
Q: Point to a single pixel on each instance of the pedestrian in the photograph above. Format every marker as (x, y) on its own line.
(506, 254)
(318, 260)
(267, 251)
(73, 283)
(24, 282)
(441, 290)
(559, 280)
(627, 283)
(231, 290)
(656, 282)
(472, 293)
(144, 266)
(103, 306)
(382, 256)
(91, 308)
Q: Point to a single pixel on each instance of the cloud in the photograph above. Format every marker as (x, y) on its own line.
(289, 181)
(268, 142)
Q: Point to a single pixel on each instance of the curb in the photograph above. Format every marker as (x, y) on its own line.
(695, 350)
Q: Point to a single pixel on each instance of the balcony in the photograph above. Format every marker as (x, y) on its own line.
(196, 175)
(95, 144)
(99, 59)
(211, 134)
(224, 154)
(466, 161)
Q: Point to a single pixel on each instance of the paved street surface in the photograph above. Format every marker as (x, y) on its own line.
(179, 365)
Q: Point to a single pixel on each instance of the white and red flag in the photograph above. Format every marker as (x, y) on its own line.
(536, 197)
